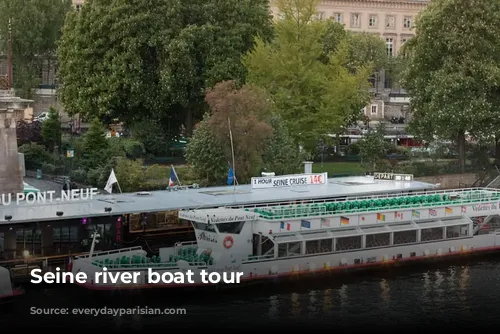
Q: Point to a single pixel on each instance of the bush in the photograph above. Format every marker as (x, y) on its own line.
(34, 156)
(48, 168)
(79, 175)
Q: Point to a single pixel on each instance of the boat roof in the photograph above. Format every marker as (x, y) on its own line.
(212, 197)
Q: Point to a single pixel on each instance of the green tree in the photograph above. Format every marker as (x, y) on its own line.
(205, 153)
(246, 109)
(95, 146)
(281, 154)
(51, 130)
(313, 97)
(373, 148)
(36, 26)
(454, 71)
(136, 60)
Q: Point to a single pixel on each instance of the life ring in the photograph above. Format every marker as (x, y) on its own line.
(228, 242)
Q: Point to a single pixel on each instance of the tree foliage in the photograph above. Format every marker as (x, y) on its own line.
(205, 153)
(246, 109)
(137, 60)
(314, 97)
(95, 146)
(453, 76)
(281, 154)
(51, 130)
(373, 148)
(28, 132)
(36, 26)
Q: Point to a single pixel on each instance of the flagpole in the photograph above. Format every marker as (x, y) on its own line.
(176, 176)
(232, 152)
(118, 184)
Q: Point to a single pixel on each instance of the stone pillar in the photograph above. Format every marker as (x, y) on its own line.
(11, 180)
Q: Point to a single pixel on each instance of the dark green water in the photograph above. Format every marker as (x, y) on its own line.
(454, 296)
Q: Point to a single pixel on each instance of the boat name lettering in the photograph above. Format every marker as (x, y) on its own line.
(203, 236)
(484, 207)
(43, 197)
(200, 218)
(288, 180)
(226, 269)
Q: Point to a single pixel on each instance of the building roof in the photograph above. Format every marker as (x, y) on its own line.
(212, 197)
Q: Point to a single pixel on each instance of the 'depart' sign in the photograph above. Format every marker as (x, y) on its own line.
(289, 180)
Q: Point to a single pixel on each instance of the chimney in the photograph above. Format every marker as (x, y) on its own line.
(308, 167)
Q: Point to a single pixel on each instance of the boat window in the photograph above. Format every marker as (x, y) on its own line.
(203, 227)
(378, 240)
(457, 231)
(405, 237)
(319, 246)
(232, 228)
(347, 243)
(430, 234)
(289, 249)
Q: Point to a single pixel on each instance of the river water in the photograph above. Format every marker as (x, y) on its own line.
(452, 295)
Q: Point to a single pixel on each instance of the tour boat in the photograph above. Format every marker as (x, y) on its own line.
(7, 291)
(270, 241)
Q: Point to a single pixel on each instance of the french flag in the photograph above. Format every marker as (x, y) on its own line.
(173, 177)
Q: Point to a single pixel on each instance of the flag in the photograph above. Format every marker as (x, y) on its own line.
(111, 180)
(398, 215)
(464, 209)
(449, 211)
(173, 177)
(305, 224)
(344, 221)
(230, 176)
(432, 212)
(325, 222)
(381, 217)
(282, 225)
(415, 213)
(288, 227)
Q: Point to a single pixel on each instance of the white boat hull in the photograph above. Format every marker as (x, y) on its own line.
(306, 264)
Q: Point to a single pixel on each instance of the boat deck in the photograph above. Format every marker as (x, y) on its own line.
(379, 203)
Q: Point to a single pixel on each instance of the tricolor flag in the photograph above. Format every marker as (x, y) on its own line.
(325, 222)
(344, 221)
(398, 215)
(432, 212)
(284, 226)
(415, 214)
(173, 177)
(448, 210)
(381, 217)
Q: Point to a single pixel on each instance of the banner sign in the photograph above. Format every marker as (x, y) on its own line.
(289, 180)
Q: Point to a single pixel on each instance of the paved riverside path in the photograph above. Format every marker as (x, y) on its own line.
(43, 185)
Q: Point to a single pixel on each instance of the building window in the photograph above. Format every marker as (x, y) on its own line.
(389, 45)
(374, 109)
(390, 21)
(403, 41)
(337, 17)
(319, 16)
(355, 20)
(373, 21)
(407, 24)
(363, 111)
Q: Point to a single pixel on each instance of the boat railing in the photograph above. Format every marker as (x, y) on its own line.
(452, 192)
(111, 252)
(295, 211)
(144, 266)
(258, 258)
